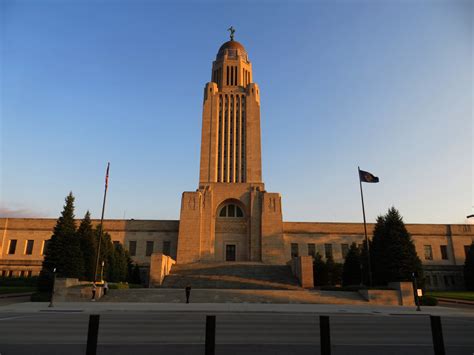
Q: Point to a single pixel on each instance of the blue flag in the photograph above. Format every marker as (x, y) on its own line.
(365, 176)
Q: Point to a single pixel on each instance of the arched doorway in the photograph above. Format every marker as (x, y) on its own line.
(231, 234)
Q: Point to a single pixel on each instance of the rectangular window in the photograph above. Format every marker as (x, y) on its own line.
(132, 247)
(344, 250)
(149, 248)
(10, 273)
(446, 280)
(22, 273)
(328, 250)
(294, 250)
(4, 273)
(428, 252)
(28, 273)
(453, 281)
(12, 246)
(311, 250)
(435, 280)
(29, 247)
(167, 247)
(444, 252)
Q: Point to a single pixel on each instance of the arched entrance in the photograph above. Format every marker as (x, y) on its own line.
(231, 234)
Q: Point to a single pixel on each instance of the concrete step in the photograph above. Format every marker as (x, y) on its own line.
(171, 295)
(240, 275)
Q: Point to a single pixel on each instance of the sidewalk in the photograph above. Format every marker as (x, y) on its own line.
(104, 307)
(455, 300)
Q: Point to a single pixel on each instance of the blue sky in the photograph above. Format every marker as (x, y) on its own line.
(386, 85)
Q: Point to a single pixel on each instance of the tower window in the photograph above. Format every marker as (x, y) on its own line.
(232, 211)
(428, 252)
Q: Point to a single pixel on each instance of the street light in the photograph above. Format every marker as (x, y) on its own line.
(52, 292)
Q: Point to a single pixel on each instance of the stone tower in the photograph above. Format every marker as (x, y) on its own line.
(231, 217)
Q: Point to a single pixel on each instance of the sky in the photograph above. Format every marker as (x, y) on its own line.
(384, 85)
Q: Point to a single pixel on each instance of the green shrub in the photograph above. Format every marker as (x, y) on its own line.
(19, 281)
(428, 300)
(135, 286)
(118, 286)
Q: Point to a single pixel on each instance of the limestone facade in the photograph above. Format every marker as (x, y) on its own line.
(443, 270)
(231, 217)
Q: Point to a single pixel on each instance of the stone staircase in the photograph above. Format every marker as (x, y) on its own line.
(174, 295)
(235, 275)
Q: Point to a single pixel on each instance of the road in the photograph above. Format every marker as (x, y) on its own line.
(131, 332)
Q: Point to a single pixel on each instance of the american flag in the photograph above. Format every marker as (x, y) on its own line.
(107, 176)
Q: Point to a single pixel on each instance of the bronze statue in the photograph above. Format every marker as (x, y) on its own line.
(232, 31)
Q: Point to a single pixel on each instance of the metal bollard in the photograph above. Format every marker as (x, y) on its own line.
(325, 335)
(92, 334)
(210, 335)
(437, 333)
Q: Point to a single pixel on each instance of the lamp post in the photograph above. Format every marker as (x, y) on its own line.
(102, 272)
(417, 299)
(52, 291)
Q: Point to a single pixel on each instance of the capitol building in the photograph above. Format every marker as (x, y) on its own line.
(231, 217)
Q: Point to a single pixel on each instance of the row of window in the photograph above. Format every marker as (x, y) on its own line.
(21, 273)
(428, 251)
(328, 250)
(231, 74)
(231, 139)
(437, 280)
(28, 247)
(150, 245)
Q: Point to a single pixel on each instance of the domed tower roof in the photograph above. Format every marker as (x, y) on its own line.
(232, 45)
(232, 48)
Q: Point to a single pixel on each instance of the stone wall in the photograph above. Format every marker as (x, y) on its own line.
(160, 266)
(302, 268)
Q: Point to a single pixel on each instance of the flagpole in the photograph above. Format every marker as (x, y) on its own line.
(365, 230)
(101, 223)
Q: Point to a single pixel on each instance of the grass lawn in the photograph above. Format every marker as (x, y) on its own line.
(460, 295)
(16, 289)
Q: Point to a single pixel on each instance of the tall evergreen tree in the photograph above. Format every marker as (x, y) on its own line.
(320, 271)
(120, 263)
(63, 251)
(393, 253)
(351, 272)
(334, 271)
(469, 269)
(88, 242)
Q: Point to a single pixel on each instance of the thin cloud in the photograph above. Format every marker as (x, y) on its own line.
(6, 212)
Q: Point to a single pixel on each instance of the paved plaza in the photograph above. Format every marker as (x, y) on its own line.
(179, 328)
